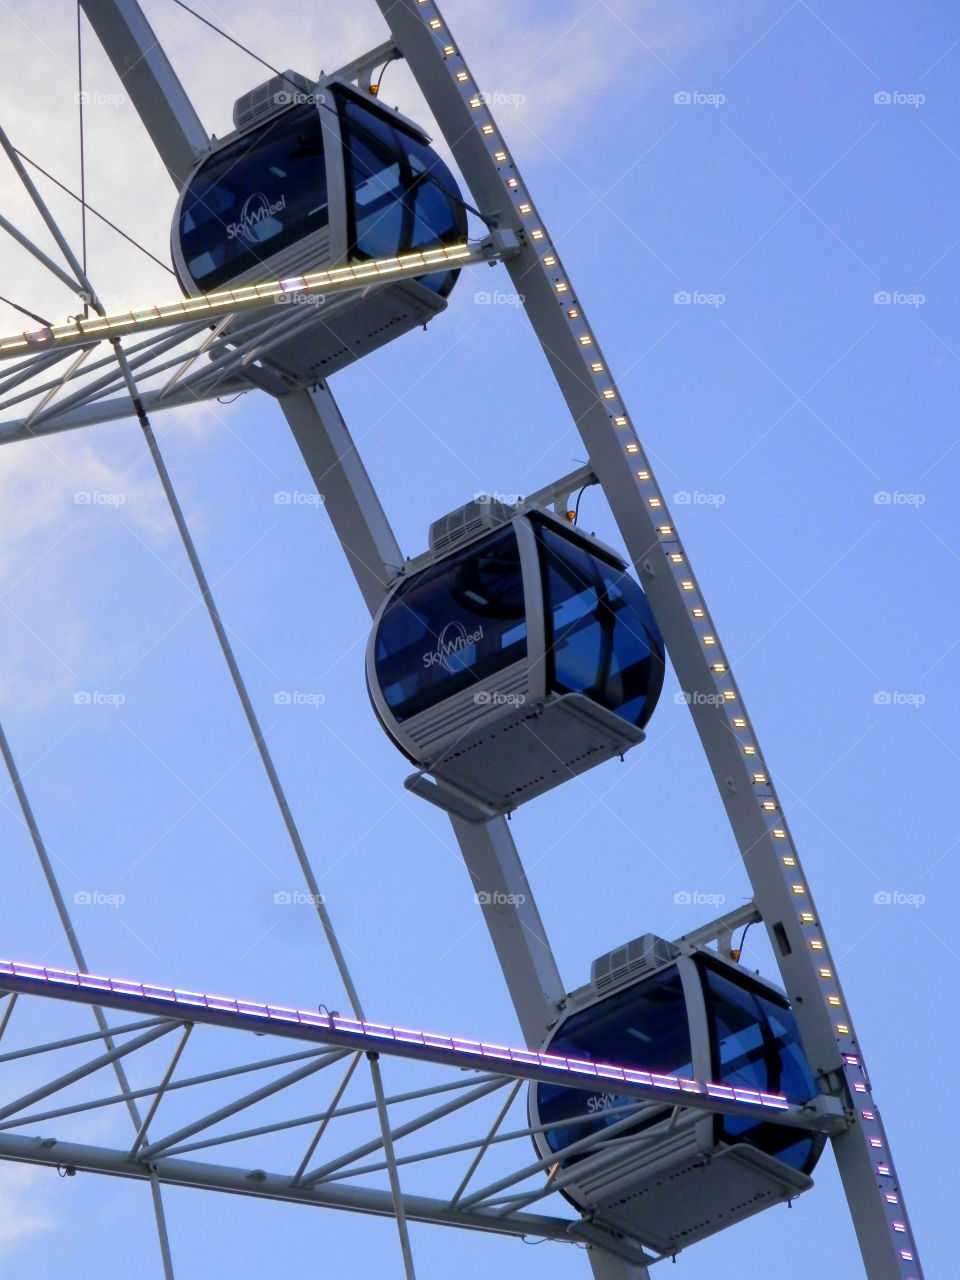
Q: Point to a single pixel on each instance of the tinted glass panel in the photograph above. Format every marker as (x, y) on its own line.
(644, 1027)
(452, 625)
(756, 1044)
(601, 636)
(263, 192)
(378, 193)
(403, 196)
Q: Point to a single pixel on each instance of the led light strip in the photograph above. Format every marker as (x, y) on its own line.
(724, 687)
(243, 298)
(375, 1037)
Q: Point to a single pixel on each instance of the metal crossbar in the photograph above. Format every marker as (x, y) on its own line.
(370, 1037)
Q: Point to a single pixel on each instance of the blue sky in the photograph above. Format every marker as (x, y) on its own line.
(787, 401)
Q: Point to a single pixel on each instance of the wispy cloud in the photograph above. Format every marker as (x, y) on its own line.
(22, 1211)
(67, 505)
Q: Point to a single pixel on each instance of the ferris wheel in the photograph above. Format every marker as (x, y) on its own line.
(648, 1104)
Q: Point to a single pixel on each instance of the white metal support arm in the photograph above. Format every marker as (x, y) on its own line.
(149, 79)
(488, 849)
(617, 458)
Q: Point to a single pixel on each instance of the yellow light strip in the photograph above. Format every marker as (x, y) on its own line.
(611, 400)
(243, 298)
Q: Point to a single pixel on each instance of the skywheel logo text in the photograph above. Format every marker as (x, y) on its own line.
(451, 643)
(256, 209)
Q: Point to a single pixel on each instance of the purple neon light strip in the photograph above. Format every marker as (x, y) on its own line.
(375, 1031)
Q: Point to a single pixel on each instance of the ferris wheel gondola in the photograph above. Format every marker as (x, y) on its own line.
(664, 1180)
(516, 654)
(317, 175)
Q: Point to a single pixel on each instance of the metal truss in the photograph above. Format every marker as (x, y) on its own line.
(232, 330)
(322, 1169)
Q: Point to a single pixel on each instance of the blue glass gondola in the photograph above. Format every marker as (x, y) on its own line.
(315, 176)
(669, 1182)
(517, 654)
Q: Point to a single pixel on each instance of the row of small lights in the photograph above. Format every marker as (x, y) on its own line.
(240, 299)
(724, 684)
(178, 1001)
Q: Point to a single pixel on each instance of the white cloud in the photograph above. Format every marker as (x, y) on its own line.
(22, 1209)
(555, 67)
(50, 485)
(65, 502)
